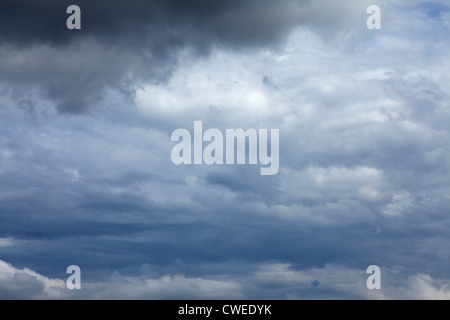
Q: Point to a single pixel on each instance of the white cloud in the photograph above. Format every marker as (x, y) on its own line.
(165, 287)
(335, 281)
(401, 202)
(359, 183)
(423, 286)
(28, 284)
(6, 242)
(277, 281)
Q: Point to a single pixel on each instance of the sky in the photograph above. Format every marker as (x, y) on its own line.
(86, 177)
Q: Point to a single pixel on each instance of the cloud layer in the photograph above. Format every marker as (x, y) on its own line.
(279, 281)
(86, 176)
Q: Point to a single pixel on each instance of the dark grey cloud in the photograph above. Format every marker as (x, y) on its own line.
(122, 44)
(125, 44)
(238, 22)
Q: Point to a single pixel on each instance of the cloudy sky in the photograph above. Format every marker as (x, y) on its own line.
(86, 176)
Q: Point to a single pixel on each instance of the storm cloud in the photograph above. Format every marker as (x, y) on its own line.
(122, 45)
